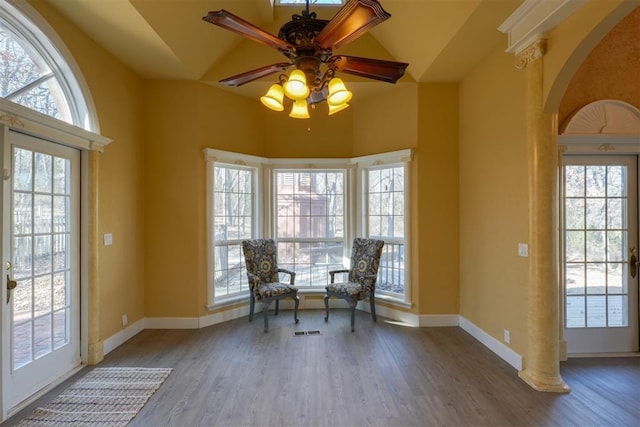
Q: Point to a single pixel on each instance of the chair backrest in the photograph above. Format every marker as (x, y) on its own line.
(260, 256)
(365, 260)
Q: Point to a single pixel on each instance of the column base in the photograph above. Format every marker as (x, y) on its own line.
(544, 382)
(96, 353)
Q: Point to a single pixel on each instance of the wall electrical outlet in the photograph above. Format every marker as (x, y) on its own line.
(507, 336)
(125, 320)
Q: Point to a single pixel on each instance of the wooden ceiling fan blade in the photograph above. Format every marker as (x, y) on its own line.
(231, 22)
(354, 19)
(249, 76)
(377, 69)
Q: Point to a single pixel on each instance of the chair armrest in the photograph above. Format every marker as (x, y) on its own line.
(292, 275)
(332, 273)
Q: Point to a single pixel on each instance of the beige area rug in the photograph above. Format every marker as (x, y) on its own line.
(104, 397)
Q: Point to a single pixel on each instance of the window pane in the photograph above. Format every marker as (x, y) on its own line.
(615, 181)
(618, 310)
(232, 222)
(596, 213)
(575, 281)
(230, 276)
(386, 221)
(574, 181)
(596, 179)
(575, 312)
(596, 311)
(311, 261)
(309, 223)
(574, 214)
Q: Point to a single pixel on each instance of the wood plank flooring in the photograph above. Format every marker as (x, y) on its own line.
(383, 374)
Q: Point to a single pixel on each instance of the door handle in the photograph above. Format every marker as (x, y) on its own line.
(11, 284)
(633, 263)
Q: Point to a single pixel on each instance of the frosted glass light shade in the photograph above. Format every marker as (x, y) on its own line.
(273, 98)
(335, 108)
(296, 87)
(299, 110)
(338, 93)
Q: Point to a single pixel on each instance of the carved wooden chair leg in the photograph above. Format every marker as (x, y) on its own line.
(352, 305)
(295, 310)
(372, 302)
(252, 303)
(265, 313)
(326, 308)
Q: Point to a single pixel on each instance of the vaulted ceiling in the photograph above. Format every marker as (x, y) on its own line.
(442, 40)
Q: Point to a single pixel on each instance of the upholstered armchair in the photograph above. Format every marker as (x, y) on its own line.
(260, 257)
(361, 279)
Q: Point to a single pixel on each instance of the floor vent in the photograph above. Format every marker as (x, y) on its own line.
(304, 333)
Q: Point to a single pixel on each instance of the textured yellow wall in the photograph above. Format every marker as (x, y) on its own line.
(494, 215)
(610, 71)
(117, 95)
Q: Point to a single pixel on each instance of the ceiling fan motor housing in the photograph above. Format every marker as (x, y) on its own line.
(301, 32)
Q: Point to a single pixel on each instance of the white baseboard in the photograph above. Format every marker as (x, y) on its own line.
(119, 338)
(438, 320)
(425, 320)
(504, 352)
(172, 323)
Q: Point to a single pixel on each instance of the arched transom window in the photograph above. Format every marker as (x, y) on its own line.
(33, 71)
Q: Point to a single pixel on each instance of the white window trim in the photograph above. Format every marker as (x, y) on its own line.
(264, 216)
(213, 157)
(393, 158)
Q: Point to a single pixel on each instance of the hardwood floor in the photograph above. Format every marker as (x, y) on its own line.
(383, 374)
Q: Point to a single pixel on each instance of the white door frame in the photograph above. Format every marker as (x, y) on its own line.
(24, 120)
(603, 127)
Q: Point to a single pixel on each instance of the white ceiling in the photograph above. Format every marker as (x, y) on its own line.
(442, 40)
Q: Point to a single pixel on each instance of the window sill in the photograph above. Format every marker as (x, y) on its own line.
(393, 301)
(244, 298)
(228, 301)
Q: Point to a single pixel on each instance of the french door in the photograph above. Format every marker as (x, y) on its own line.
(40, 304)
(600, 218)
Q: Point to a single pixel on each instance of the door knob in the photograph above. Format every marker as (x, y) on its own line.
(633, 263)
(11, 284)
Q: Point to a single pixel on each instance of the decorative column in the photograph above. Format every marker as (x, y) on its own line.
(95, 345)
(542, 363)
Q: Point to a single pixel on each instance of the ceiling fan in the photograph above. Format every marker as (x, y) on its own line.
(309, 43)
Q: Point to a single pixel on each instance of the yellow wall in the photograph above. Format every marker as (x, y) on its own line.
(436, 227)
(117, 95)
(494, 214)
(321, 136)
(183, 118)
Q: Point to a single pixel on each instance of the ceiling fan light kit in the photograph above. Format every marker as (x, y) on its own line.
(309, 44)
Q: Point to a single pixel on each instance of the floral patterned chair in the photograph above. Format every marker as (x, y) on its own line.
(361, 281)
(260, 257)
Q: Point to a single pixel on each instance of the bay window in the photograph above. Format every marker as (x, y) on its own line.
(313, 208)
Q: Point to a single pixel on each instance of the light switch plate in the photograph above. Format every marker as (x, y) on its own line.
(108, 239)
(523, 250)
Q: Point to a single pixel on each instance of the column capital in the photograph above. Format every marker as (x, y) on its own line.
(535, 50)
